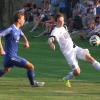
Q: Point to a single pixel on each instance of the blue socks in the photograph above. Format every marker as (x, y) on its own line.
(1, 73)
(31, 76)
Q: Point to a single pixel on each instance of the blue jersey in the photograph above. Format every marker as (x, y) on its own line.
(12, 36)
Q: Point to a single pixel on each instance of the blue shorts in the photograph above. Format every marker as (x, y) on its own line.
(15, 61)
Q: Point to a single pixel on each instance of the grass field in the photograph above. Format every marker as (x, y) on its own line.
(51, 67)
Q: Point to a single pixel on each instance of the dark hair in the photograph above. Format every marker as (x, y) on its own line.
(17, 16)
(34, 6)
(28, 5)
(97, 19)
(58, 16)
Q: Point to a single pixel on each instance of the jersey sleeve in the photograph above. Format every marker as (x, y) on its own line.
(5, 32)
(53, 33)
(66, 28)
(21, 33)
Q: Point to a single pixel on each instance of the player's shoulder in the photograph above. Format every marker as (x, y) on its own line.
(7, 29)
(53, 29)
(65, 26)
(14, 28)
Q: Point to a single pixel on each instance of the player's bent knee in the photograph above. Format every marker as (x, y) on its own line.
(29, 66)
(7, 70)
(77, 72)
(89, 58)
(86, 51)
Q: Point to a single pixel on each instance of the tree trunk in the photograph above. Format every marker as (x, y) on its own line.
(8, 8)
(1, 12)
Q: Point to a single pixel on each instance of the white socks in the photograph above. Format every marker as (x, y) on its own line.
(96, 65)
(69, 76)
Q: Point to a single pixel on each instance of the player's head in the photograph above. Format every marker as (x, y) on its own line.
(60, 20)
(19, 18)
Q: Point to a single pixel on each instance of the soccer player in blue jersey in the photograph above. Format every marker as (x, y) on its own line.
(11, 59)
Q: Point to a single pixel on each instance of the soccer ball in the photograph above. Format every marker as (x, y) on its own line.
(93, 40)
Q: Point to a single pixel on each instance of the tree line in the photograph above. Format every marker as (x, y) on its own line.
(7, 10)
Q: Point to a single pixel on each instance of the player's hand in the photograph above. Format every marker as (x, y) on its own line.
(52, 46)
(26, 45)
(96, 43)
(2, 52)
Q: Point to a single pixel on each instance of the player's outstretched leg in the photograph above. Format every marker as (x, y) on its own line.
(93, 61)
(33, 82)
(2, 72)
(68, 83)
(67, 79)
(31, 76)
(70, 75)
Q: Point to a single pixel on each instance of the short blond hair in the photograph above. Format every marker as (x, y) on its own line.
(18, 15)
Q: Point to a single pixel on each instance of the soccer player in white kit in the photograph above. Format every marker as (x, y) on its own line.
(71, 51)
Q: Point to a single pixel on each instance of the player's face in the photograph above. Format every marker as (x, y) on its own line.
(21, 20)
(60, 21)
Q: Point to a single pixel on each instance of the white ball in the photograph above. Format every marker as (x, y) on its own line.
(93, 40)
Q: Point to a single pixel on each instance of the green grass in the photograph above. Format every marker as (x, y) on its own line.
(51, 67)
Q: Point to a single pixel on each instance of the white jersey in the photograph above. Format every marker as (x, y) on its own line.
(63, 38)
(66, 44)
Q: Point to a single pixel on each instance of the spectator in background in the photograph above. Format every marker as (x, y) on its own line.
(68, 9)
(36, 20)
(54, 5)
(62, 7)
(27, 8)
(97, 8)
(49, 24)
(77, 21)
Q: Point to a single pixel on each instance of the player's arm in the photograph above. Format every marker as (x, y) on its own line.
(26, 42)
(51, 42)
(2, 34)
(2, 52)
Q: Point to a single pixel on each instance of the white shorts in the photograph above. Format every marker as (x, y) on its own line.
(74, 55)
